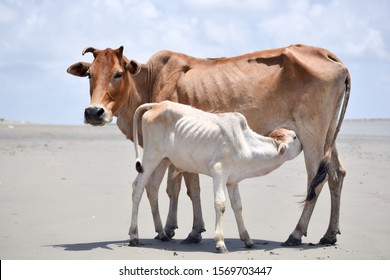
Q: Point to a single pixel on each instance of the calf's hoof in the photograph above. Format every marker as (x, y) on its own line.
(134, 243)
(222, 250)
(292, 241)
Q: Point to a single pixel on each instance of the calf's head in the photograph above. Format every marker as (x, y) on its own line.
(289, 145)
(108, 80)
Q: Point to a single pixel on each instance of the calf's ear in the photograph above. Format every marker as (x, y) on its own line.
(79, 69)
(134, 67)
(282, 149)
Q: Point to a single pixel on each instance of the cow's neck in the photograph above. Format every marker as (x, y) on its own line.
(138, 93)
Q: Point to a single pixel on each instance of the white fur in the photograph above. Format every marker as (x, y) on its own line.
(218, 145)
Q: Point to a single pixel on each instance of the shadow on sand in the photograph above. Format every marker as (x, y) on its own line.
(207, 245)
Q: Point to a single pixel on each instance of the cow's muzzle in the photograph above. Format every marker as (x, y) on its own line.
(95, 115)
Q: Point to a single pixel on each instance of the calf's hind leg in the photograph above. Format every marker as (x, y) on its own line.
(152, 191)
(139, 184)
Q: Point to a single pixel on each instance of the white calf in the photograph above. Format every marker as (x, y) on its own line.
(219, 145)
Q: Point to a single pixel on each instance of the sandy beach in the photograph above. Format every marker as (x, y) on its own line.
(65, 193)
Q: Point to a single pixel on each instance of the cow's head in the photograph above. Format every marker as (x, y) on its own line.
(109, 82)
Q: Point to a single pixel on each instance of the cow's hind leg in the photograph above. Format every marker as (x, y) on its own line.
(313, 153)
(235, 200)
(335, 180)
(193, 191)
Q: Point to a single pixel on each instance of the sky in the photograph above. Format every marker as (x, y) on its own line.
(41, 38)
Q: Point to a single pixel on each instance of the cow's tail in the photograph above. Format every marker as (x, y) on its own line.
(141, 109)
(323, 168)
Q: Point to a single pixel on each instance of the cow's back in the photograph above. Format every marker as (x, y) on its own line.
(271, 88)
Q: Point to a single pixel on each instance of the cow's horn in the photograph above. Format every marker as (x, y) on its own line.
(90, 49)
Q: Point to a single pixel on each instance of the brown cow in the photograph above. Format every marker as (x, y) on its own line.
(301, 88)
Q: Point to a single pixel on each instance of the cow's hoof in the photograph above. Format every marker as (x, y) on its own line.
(164, 237)
(192, 239)
(170, 233)
(134, 243)
(292, 241)
(250, 246)
(327, 241)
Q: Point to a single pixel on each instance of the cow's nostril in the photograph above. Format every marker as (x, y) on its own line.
(88, 112)
(94, 115)
(100, 112)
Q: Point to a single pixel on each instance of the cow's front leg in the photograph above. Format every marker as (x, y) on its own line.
(193, 191)
(235, 200)
(173, 190)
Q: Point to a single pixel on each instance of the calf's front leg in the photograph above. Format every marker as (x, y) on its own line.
(220, 206)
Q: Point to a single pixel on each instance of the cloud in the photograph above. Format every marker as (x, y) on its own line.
(221, 7)
(371, 43)
(331, 25)
(41, 38)
(6, 14)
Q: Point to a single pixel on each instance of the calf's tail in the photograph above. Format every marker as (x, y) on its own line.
(141, 109)
(324, 164)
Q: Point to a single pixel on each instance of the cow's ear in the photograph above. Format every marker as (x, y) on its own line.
(79, 69)
(282, 149)
(134, 67)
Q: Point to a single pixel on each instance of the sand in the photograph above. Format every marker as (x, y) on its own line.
(65, 193)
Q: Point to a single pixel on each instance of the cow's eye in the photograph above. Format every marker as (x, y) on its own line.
(118, 75)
